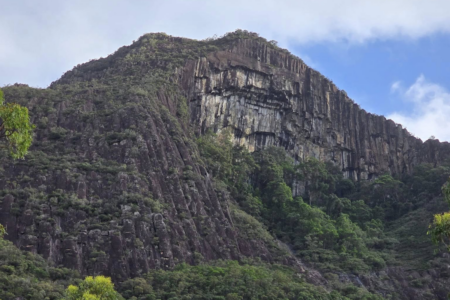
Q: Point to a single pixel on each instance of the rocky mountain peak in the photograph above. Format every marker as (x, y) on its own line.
(268, 97)
(115, 184)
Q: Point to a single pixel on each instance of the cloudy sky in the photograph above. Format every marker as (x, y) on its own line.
(391, 56)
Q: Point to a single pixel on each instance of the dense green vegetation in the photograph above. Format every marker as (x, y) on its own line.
(227, 280)
(336, 225)
(15, 128)
(319, 228)
(24, 274)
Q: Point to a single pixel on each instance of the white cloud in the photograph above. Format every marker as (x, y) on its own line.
(395, 86)
(429, 105)
(39, 40)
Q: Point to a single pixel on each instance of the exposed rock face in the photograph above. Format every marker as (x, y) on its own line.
(117, 193)
(269, 97)
(114, 185)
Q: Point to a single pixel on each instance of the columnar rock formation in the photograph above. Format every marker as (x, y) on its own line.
(269, 97)
(114, 183)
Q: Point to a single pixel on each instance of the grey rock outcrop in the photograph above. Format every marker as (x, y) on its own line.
(269, 97)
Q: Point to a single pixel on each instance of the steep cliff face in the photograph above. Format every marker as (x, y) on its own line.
(114, 183)
(118, 193)
(268, 97)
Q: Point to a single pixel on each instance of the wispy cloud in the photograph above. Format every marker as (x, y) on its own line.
(395, 86)
(429, 105)
(42, 39)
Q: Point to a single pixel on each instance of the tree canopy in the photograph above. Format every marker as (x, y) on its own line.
(2, 231)
(93, 288)
(440, 227)
(15, 128)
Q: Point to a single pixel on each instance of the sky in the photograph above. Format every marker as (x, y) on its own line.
(390, 56)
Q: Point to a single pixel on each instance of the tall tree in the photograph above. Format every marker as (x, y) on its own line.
(93, 288)
(15, 128)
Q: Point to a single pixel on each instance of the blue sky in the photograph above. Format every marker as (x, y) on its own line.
(389, 55)
(367, 71)
(387, 76)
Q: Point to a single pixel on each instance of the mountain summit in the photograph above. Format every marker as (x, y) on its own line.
(117, 182)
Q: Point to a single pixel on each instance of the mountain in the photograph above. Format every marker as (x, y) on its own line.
(125, 175)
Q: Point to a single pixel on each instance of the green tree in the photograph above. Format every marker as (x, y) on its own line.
(2, 231)
(15, 128)
(351, 237)
(93, 288)
(336, 205)
(315, 174)
(308, 225)
(137, 287)
(216, 150)
(439, 230)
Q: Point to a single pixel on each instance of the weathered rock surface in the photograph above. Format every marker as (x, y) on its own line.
(114, 184)
(102, 202)
(269, 97)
